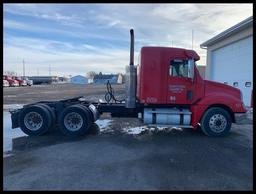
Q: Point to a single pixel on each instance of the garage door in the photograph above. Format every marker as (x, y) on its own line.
(232, 64)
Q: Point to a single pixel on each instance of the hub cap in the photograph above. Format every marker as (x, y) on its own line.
(218, 123)
(33, 121)
(73, 121)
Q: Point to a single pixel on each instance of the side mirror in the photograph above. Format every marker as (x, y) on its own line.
(191, 70)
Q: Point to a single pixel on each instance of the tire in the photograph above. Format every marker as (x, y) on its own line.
(216, 122)
(42, 121)
(53, 115)
(74, 120)
(89, 113)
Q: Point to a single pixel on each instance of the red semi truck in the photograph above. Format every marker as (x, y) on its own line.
(164, 89)
(20, 80)
(12, 82)
(5, 82)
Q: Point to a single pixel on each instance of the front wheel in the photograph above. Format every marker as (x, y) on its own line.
(216, 122)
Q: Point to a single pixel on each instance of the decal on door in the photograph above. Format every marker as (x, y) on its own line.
(173, 98)
(151, 100)
(176, 88)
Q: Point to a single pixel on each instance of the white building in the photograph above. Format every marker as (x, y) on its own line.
(90, 80)
(79, 79)
(201, 69)
(230, 59)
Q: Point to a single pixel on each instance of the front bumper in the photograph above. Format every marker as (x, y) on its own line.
(14, 84)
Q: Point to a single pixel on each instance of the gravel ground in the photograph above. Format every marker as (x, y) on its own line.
(26, 95)
(113, 158)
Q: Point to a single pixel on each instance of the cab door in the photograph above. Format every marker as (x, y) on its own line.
(180, 83)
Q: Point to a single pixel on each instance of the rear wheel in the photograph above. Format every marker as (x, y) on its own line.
(52, 113)
(35, 120)
(216, 122)
(75, 120)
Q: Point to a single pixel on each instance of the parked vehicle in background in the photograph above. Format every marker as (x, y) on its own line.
(6, 83)
(20, 81)
(12, 82)
(29, 81)
(43, 79)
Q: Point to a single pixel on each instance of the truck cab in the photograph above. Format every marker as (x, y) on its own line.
(20, 80)
(12, 82)
(29, 82)
(5, 82)
(173, 93)
(168, 76)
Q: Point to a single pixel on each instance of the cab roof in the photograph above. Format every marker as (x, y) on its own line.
(176, 51)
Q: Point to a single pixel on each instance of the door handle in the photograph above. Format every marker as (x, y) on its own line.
(189, 95)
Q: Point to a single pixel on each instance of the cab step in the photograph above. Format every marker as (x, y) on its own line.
(170, 126)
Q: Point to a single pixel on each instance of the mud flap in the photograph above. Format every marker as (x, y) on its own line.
(15, 119)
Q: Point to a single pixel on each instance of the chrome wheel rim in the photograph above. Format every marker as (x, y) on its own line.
(73, 121)
(33, 121)
(218, 123)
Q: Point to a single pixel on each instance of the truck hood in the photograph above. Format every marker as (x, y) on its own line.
(216, 87)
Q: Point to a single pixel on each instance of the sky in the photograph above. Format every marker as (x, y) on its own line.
(73, 39)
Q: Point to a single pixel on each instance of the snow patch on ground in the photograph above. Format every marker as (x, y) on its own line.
(6, 154)
(135, 130)
(8, 107)
(9, 133)
(139, 130)
(104, 124)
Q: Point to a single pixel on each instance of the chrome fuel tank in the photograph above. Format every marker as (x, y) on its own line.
(167, 116)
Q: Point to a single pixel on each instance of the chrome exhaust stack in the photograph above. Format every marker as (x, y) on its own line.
(132, 48)
(130, 77)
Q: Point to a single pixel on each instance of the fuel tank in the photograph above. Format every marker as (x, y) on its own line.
(167, 116)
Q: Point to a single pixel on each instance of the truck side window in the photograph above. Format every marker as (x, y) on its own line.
(178, 68)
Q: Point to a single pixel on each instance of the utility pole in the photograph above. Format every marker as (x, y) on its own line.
(192, 38)
(23, 68)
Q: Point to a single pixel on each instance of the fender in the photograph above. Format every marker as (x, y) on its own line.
(235, 104)
(215, 99)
